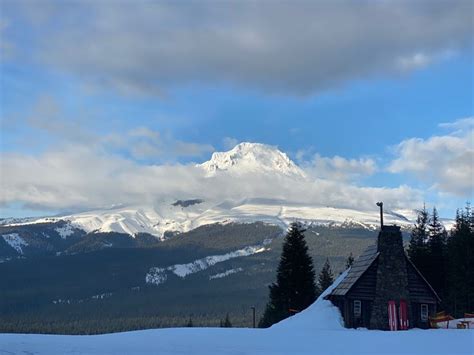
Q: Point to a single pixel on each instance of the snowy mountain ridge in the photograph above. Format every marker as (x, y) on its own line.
(168, 217)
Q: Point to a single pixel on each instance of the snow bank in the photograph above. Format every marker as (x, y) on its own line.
(322, 314)
(233, 341)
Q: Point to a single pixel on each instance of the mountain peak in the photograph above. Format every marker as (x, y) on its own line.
(249, 157)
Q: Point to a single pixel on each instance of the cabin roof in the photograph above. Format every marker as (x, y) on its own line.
(357, 270)
(361, 265)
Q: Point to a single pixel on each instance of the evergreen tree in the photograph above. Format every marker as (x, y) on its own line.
(190, 323)
(294, 288)
(326, 277)
(349, 261)
(460, 272)
(418, 248)
(436, 255)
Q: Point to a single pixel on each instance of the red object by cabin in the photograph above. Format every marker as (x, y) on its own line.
(403, 314)
(392, 315)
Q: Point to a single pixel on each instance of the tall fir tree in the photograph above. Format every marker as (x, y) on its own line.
(435, 271)
(326, 277)
(460, 271)
(418, 247)
(294, 289)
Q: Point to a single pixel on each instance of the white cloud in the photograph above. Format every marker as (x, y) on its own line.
(145, 143)
(421, 60)
(415, 61)
(229, 142)
(78, 177)
(279, 46)
(459, 126)
(446, 161)
(48, 116)
(339, 168)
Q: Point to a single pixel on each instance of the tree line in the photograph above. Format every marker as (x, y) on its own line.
(445, 259)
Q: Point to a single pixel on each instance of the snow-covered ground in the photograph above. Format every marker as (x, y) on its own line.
(317, 330)
(229, 341)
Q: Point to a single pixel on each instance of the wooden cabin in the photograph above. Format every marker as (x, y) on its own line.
(383, 274)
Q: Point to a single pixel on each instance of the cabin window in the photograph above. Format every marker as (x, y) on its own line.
(424, 312)
(357, 308)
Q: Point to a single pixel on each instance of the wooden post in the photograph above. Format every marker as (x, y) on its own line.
(253, 311)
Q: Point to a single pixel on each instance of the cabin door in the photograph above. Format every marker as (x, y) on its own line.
(403, 314)
(392, 315)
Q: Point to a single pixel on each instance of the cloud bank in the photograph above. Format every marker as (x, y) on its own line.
(79, 177)
(75, 176)
(280, 47)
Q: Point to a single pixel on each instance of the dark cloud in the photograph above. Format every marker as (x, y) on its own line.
(287, 47)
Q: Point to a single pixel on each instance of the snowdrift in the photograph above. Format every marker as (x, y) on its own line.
(321, 315)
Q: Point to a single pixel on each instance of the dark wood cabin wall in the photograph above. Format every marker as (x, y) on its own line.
(364, 320)
(419, 290)
(364, 288)
(416, 315)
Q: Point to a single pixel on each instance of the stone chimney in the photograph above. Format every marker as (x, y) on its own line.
(392, 278)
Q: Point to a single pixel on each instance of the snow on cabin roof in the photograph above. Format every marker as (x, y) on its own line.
(358, 268)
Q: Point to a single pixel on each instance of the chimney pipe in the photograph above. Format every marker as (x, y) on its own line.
(380, 204)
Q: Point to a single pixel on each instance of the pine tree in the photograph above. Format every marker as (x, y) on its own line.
(460, 271)
(349, 261)
(435, 271)
(190, 323)
(294, 289)
(326, 277)
(418, 249)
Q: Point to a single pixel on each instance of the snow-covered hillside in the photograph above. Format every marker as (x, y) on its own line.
(249, 159)
(317, 330)
(167, 216)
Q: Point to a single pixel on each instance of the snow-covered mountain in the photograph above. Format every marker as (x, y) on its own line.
(174, 215)
(252, 158)
(170, 217)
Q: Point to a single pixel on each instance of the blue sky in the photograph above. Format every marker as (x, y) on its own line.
(94, 77)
